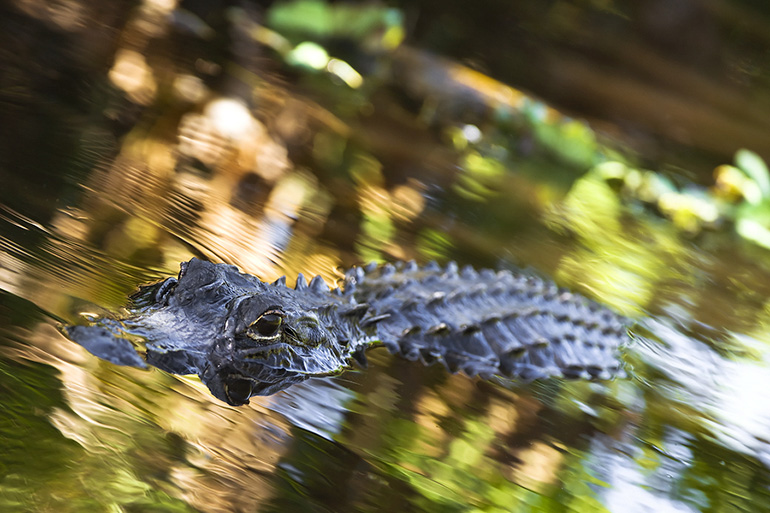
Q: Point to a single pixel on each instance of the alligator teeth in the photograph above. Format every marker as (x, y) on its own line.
(388, 269)
(301, 282)
(280, 282)
(371, 266)
(451, 268)
(317, 284)
(410, 267)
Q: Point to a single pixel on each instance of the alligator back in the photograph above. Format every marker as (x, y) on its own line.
(489, 323)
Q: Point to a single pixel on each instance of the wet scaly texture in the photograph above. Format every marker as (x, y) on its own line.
(244, 337)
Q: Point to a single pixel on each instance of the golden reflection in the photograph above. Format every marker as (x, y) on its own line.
(382, 208)
(190, 88)
(442, 78)
(502, 417)
(539, 466)
(69, 15)
(131, 73)
(430, 409)
(162, 6)
(321, 264)
(231, 118)
(345, 72)
(407, 201)
(199, 138)
(137, 233)
(123, 416)
(290, 195)
(11, 267)
(243, 212)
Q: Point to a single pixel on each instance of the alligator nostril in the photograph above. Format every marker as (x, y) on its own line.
(161, 295)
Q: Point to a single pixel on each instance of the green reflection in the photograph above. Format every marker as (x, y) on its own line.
(480, 177)
(322, 19)
(42, 470)
(623, 262)
(625, 235)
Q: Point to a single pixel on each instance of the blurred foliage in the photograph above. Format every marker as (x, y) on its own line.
(317, 134)
(369, 25)
(738, 198)
(486, 156)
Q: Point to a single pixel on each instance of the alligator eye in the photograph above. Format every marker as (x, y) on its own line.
(268, 323)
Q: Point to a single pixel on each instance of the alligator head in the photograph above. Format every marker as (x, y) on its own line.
(242, 337)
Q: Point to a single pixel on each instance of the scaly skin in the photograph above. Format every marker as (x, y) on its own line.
(244, 337)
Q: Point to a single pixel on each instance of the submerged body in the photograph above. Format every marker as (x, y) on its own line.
(244, 337)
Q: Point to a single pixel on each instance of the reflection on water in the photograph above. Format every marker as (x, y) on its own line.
(193, 145)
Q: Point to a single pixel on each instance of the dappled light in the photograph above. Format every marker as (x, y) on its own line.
(578, 141)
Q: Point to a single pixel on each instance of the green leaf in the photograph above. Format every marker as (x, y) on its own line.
(753, 165)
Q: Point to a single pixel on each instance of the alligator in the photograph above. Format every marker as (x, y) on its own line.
(245, 337)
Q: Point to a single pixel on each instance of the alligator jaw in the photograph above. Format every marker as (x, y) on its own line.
(231, 386)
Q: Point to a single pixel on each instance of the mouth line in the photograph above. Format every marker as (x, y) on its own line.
(283, 345)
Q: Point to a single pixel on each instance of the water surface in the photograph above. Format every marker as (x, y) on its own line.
(184, 148)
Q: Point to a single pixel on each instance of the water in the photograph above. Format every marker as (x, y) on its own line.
(112, 183)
